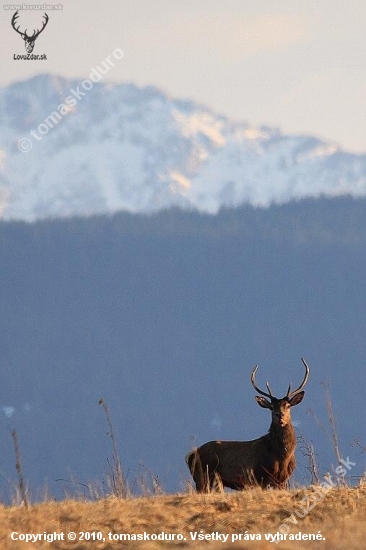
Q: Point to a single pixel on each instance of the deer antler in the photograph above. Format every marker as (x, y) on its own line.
(24, 35)
(307, 372)
(269, 394)
(13, 21)
(43, 26)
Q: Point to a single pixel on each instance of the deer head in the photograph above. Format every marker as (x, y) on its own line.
(28, 40)
(281, 408)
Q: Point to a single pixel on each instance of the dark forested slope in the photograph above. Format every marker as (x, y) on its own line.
(164, 316)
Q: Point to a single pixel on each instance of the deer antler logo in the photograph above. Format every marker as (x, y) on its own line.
(28, 40)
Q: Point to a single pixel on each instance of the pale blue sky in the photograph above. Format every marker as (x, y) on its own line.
(299, 65)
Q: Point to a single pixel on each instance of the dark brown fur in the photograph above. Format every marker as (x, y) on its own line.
(267, 461)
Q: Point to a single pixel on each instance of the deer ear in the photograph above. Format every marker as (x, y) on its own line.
(262, 402)
(296, 399)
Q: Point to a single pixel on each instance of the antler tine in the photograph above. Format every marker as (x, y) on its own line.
(43, 26)
(13, 21)
(289, 390)
(307, 372)
(269, 389)
(15, 17)
(252, 377)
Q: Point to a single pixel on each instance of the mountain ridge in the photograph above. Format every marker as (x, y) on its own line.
(120, 147)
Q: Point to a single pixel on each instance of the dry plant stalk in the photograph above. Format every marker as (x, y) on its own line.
(18, 467)
(307, 449)
(118, 482)
(332, 423)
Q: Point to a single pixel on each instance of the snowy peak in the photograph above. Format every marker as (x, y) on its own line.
(75, 148)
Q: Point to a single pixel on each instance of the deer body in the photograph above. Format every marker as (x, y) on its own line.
(267, 461)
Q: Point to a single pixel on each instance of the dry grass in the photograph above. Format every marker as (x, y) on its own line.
(340, 516)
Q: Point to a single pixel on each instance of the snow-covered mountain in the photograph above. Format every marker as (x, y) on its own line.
(72, 147)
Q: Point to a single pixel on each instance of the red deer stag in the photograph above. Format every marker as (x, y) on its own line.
(266, 462)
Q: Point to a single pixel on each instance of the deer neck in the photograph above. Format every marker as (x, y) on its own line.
(283, 438)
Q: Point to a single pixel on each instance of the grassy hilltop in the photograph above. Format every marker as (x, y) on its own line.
(340, 516)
